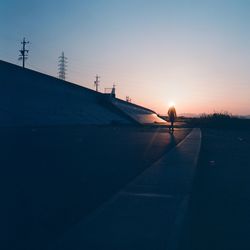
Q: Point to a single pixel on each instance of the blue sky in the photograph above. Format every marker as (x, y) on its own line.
(194, 53)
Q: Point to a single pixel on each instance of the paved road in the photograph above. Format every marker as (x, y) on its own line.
(53, 177)
(148, 213)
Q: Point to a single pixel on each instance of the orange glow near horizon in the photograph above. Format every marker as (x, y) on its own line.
(195, 53)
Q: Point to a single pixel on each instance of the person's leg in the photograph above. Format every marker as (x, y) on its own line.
(172, 126)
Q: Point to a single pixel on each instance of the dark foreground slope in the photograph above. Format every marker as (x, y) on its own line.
(219, 215)
(52, 177)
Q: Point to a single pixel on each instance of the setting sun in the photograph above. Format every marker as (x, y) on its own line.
(171, 104)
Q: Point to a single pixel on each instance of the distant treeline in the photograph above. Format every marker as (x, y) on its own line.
(221, 120)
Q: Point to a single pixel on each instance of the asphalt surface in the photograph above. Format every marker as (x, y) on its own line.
(219, 213)
(147, 213)
(53, 177)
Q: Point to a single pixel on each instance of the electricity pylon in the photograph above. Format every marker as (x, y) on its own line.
(62, 66)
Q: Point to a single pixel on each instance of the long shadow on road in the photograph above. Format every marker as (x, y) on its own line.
(52, 177)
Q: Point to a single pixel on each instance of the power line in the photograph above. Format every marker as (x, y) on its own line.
(24, 52)
(62, 65)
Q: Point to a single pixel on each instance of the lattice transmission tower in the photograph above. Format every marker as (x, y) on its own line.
(62, 66)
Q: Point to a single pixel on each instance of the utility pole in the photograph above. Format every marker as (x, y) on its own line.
(96, 82)
(113, 90)
(24, 52)
(128, 99)
(62, 65)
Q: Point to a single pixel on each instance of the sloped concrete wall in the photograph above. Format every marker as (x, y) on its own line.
(139, 114)
(31, 98)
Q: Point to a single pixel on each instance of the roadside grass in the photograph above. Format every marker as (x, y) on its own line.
(223, 120)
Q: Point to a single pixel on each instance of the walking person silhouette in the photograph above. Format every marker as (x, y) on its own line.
(172, 118)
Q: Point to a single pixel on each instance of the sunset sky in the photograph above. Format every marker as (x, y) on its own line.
(193, 53)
